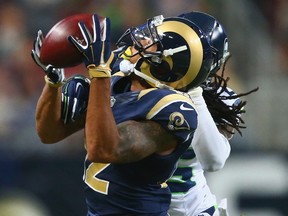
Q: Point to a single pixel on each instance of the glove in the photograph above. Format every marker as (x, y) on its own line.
(74, 101)
(54, 76)
(96, 52)
(197, 98)
(224, 94)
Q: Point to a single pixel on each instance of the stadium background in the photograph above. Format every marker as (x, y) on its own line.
(46, 180)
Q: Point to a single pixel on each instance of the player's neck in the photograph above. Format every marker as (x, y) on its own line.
(136, 85)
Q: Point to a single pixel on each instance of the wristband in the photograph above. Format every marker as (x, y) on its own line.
(98, 72)
(52, 84)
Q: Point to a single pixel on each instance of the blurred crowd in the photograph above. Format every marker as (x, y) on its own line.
(22, 80)
(275, 13)
(258, 33)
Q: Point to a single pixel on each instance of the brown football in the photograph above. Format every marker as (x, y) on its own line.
(57, 50)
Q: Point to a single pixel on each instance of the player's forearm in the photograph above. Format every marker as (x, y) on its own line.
(48, 119)
(102, 137)
(211, 147)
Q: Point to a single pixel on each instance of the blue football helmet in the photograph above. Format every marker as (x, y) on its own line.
(183, 57)
(216, 36)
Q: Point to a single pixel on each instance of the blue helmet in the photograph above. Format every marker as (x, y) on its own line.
(183, 57)
(215, 34)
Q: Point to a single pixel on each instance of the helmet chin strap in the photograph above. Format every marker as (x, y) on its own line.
(150, 79)
(127, 68)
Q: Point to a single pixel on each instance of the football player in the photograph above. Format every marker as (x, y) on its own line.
(219, 115)
(209, 150)
(138, 122)
(215, 93)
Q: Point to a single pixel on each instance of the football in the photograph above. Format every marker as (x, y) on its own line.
(57, 50)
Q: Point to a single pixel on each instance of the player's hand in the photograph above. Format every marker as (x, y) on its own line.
(196, 96)
(75, 94)
(54, 75)
(96, 52)
(226, 130)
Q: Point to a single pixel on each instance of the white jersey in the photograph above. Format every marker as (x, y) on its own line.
(198, 197)
(208, 151)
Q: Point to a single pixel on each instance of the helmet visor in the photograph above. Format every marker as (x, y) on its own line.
(143, 37)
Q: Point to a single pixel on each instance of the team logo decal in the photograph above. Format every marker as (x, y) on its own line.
(182, 107)
(177, 121)
(112, 101)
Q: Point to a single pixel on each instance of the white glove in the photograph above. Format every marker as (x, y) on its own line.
(197, 98)
(222, 208)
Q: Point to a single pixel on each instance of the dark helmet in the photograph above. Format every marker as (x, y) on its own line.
(183, 58)
(216, 35)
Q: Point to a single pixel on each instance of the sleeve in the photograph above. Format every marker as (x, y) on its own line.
(211, 148)
(177, 114)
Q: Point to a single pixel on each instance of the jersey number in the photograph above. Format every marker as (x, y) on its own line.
(92, 181)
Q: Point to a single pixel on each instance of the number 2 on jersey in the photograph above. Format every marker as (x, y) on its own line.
(92, 181)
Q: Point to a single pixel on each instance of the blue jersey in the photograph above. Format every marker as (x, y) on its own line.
(139, 188)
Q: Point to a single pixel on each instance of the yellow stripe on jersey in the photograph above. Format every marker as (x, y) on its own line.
(165, 101)
(146, 91)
